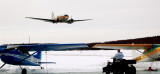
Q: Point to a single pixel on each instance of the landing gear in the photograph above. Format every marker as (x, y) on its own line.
(42, 67)
(2, 65)
(24, 71)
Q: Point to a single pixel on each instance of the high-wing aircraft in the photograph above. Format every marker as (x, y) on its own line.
(151, 52)
(18, 54)
(59, 19)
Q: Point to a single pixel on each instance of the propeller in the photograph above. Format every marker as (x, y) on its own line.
(71, 20)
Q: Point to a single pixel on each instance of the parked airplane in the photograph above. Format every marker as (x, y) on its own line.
(151, 51)
(18, 54)
(59, 19)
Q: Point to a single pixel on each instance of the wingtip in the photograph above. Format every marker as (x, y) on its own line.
(90, 19)
(27, 17)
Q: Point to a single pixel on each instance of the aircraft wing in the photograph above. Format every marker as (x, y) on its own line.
(47, 20)
(82, 20)
(123, 46)
(50, 47)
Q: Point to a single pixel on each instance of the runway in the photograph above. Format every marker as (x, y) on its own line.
(45, 72)
(77, 62)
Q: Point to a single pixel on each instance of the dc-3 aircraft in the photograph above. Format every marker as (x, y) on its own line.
(59, 19)
(151, 51)
(18, 54)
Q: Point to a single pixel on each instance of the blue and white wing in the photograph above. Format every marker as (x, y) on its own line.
(51, 47)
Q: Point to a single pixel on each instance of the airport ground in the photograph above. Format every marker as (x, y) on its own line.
(78, 62)
(44, 72)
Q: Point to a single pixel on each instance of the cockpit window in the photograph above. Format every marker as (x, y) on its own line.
(23, 52)
(66, 15)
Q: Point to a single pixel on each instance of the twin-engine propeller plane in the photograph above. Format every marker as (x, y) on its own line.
(151, 52)
(59, 19)
(18, 54)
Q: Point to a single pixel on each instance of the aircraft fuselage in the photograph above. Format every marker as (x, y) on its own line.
(63, 18)
(16, 57)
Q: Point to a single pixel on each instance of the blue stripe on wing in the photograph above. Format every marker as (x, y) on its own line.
(51, 47)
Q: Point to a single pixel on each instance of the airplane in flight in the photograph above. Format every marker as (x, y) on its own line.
(59, 19)
(18, 54)
(151, 52)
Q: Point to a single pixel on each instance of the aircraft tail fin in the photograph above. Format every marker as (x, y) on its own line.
(139, 56)
(52, 16)
(38, 55)
(135, 53)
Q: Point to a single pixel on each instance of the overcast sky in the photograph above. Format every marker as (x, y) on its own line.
(112, 20)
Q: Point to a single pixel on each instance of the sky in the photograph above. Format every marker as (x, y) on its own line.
(112, 20)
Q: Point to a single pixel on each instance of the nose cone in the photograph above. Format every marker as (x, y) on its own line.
(65, 15)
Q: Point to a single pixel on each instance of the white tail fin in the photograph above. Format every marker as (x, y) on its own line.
(135, 54)
(52, 16)
(139, 56)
